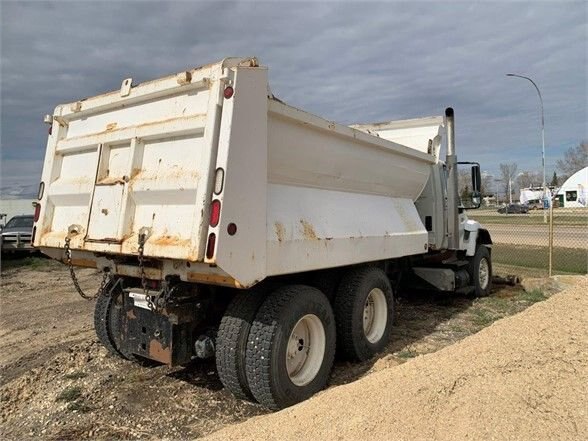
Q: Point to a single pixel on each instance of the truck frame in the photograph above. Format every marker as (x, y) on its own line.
(229, 224)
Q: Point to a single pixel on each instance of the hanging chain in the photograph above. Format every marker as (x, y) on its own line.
(103, 283)
(150, 304)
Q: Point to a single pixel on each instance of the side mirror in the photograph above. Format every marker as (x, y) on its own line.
(475, 197)
(476, 179)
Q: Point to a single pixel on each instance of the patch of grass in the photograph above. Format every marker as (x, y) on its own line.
(76, 375)
(457, 328)
(69, 394)
(506, 269)
(407, 353)
(32, 262)
(482, 317)
(560, 217)
(533, 296)
(566, 260)
(78, 406)
(500, 303)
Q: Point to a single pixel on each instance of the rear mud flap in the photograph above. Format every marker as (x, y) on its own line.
(165, 336)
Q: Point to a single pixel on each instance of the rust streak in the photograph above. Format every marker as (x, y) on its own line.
(83, 262)
(158, 352)
(111, 180)
(169, 241)
(135, 172)
(308, 230)
(139, 126)
(280, 231)
(213, 278)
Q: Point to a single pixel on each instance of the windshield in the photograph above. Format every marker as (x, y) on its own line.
(20, 222)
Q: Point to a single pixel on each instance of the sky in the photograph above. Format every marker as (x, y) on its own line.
(350, 62)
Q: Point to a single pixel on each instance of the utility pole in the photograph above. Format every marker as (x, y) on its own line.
(542, 141)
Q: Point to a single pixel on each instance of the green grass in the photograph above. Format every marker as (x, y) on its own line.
(533, 296)
(70, 393)
(482, 317)
(501, 304)
(407, 354)
(32, 262)
(507, 302)
(574, 218)
(564, 260)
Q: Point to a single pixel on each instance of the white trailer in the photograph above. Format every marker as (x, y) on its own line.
(228, 223)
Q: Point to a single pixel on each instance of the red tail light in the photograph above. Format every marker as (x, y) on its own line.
(37, 212)
(210, 246)
(229, 92)
(215, 212)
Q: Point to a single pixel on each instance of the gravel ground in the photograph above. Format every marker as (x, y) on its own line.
(523, 378)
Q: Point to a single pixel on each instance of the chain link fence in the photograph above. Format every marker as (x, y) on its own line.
(538, 243)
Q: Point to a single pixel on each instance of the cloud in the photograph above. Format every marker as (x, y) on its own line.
(348, 62)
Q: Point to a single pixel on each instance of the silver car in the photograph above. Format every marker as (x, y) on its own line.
(16, 234)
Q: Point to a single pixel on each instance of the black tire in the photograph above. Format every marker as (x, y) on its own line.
(108, 321)
(350, 301)
(231, 342)
(267, 346)
(482, 253)
(108, 325)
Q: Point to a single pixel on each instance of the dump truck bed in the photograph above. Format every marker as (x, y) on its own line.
(294, 192)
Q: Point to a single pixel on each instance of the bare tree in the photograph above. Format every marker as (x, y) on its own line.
(507, 174)
(486, 184)
(528, 179)
(575, 158)
(464, 182)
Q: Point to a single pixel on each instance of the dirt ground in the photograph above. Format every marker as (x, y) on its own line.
(58, 383)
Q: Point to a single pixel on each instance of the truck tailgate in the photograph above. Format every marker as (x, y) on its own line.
(138, 158)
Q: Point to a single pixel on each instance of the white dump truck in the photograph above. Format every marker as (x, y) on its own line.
(227, 223)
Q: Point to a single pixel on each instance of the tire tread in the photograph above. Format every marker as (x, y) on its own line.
(344, 306)
(260, 343)
(231, 340)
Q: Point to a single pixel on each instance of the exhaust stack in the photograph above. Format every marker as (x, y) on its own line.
(452, 185)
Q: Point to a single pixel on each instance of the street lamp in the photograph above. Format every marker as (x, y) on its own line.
(542, 137)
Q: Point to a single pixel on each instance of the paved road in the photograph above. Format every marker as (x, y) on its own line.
(566, 236)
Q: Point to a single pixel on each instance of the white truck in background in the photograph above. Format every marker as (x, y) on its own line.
(230, 224)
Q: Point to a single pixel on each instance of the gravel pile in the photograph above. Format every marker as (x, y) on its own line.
(523, 378)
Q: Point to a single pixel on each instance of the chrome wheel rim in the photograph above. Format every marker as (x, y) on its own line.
(305, 350)
(375, 315)
(483, 273)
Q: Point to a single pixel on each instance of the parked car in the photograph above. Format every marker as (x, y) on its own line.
(16, 234)
(535, 204)
(514, 209)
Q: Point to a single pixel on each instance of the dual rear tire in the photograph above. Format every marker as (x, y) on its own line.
(364, 308)
(279, 350)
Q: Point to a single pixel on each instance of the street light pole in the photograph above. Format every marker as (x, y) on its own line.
(542, 138)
